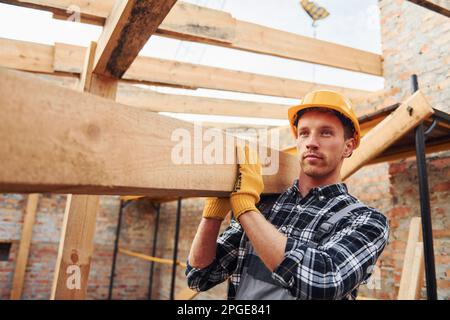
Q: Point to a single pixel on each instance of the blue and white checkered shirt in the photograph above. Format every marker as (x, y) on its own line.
(332, 270)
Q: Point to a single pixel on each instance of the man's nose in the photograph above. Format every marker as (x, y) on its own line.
(312, 142)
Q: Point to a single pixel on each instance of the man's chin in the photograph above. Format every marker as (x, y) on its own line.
(314, 172)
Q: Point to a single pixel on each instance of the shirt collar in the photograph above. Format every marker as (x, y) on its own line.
(325, 192)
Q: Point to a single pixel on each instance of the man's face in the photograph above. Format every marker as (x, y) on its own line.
(321, 144)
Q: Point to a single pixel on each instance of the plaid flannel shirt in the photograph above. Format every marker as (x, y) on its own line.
(333, 270)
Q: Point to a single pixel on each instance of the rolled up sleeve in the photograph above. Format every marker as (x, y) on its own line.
(223, 265)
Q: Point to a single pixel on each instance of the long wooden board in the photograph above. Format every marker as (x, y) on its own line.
(410, 113)
(194, 23)
(69, 59)
(63, 141)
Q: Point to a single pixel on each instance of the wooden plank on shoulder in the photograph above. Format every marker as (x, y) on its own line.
(90, 145)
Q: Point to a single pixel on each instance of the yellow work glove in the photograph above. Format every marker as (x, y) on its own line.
(249, 183)
(216, 208)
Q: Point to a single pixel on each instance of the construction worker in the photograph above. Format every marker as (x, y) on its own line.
(315, 240)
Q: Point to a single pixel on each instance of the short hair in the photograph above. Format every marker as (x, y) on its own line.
(349, 128)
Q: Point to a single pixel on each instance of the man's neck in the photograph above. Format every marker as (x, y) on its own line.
(306, 183)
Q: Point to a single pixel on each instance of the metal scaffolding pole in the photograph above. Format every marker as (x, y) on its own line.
(155, 241)
(116, 249)
(175, 250)
(425, 212)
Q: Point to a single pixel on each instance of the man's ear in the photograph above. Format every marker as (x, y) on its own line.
(350, 145)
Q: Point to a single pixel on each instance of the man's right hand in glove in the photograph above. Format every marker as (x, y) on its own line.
(216, 208)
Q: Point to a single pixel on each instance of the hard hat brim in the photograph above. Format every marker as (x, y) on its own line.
(292, 116)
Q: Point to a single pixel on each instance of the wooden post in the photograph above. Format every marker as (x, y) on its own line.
(24, 246)
(77, 234)
(75, 248)
(413, 264)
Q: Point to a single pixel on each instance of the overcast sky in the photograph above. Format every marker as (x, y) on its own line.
(353, 23)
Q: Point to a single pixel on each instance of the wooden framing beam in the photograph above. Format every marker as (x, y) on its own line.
(126, 31)
(413, 264)
(69, 59)
(154, 70)
(407, 152)
(26, 56)
(77, 235)
(410, 113)
(194, 23)
(438, 6)
(190, 22)
(160, 102)
(89, 145)
(39, 59)
(24, 247)
(75, 248)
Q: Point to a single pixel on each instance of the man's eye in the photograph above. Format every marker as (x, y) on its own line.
(327, 133)
(303, 134)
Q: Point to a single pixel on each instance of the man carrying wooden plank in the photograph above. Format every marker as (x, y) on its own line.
(315, 240)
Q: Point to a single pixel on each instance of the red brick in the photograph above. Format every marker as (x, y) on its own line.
(441, 187)
(400, 212)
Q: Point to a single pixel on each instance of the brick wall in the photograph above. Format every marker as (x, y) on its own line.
(191, 210)
(414, 41)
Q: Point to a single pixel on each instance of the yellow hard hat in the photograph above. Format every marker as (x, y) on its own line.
(326, 99)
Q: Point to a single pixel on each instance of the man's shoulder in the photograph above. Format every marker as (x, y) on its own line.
(370, 212)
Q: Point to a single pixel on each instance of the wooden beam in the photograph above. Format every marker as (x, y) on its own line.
(403, 153)
(92, 12)
(69, 59)
(438, 6)
(166, 72)
(131, 95)
(26, 56)
(77, 235)
(406, 117)
(161, 71)
(24, 247)
(89, 145)
(126, 31)
(75, 248)
(160, 102)
(193, 23)
(413, 263)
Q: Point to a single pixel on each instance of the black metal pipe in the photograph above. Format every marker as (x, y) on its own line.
(431, 127)
(116, 250)
(155, 241)
(175, 250)
(425, 211)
